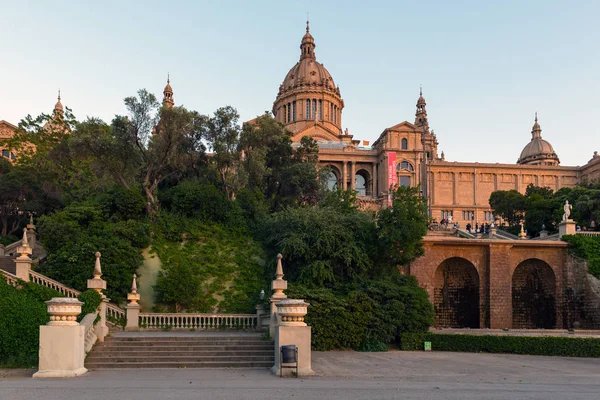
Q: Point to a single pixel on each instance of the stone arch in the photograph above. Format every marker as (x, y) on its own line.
(334, 178)
(362, 181)
(456, 294)
(533, 295)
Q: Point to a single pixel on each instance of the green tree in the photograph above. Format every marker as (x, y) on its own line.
(321, 245)
(509, 205)
(401, 228)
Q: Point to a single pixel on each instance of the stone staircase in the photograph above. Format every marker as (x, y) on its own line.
(156, 350)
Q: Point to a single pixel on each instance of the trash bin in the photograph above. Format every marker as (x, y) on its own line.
(288, 354)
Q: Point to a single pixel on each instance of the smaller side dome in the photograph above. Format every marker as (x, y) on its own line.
(538, 151)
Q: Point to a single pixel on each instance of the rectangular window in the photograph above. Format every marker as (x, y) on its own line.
(289, 113)
(5, 153)
(405, 181)
(294, 111)
(314, 109)
(468, 215)
(335, 114)
(446, 214)
(321, 110)
(307, 116)
(330, 111)
(488, 216)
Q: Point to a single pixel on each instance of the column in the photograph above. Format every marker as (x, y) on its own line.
(353, 176)
(345, 175)
(500, 286)
(454, 184)
(374, 175)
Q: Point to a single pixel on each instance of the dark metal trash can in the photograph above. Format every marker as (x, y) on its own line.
(288, 355)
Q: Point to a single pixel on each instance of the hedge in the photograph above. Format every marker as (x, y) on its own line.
(538, 345)
(22, 311)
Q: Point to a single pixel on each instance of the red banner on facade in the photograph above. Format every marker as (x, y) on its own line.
(391, 170)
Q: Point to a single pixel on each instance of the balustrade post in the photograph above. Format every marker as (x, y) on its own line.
(278, 285)
(133, 308)
(99, 284)
(23, 262)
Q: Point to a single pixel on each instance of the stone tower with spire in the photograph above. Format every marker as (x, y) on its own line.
(429, 140)
(168, 94)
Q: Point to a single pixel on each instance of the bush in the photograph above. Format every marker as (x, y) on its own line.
(587, 248)
(539, 346)
(22, 311)
(366, 316)
(91, 300)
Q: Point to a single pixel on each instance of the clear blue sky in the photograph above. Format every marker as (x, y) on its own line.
(485, 66)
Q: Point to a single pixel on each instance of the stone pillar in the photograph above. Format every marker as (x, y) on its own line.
(62, 341)
(133, 308)
(374, 179)
(500, 286)
(99, 284)
(568, 227)
(292, 330)
(353, 176)
(278, 285)
(345, 175)
(23, 262)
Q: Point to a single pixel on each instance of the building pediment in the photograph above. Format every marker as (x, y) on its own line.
(402, 126)
(7, 130)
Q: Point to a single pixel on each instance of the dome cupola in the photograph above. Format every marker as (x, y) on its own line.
(538, 151)
(308, 94)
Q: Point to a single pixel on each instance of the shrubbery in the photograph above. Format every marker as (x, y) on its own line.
(540, 346)
(365, 316)
(587, 247)
(22, 311)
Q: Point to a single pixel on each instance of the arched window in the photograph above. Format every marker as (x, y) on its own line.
(405, 165)
(332, 181)
(404, 144)
(307, 116)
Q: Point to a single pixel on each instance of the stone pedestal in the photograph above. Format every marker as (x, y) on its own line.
(133, 317)
(61, 352)
(299, 336)
(568, 227)
(293, 330)
(62, 341)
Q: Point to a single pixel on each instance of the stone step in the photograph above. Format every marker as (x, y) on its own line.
(188, 342)
(162, 358)
(207, 364)
(165, 347)
(184, 338)
(180, 352)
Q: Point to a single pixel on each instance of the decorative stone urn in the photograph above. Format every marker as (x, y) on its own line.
(292, 312)
(63, 311)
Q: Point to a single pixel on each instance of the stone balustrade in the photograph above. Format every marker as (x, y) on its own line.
(10, 278)
(197, 321)
(588, 233)
(51, 283)
(90, 336)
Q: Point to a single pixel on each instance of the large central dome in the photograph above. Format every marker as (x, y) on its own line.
(308, 96)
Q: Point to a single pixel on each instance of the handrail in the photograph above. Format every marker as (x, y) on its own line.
(112, 310)
(197, 321)
(51, 283)
(587, 233)
(10, 278)
(90, 332)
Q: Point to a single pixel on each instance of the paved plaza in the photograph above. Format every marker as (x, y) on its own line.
(341, 375)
